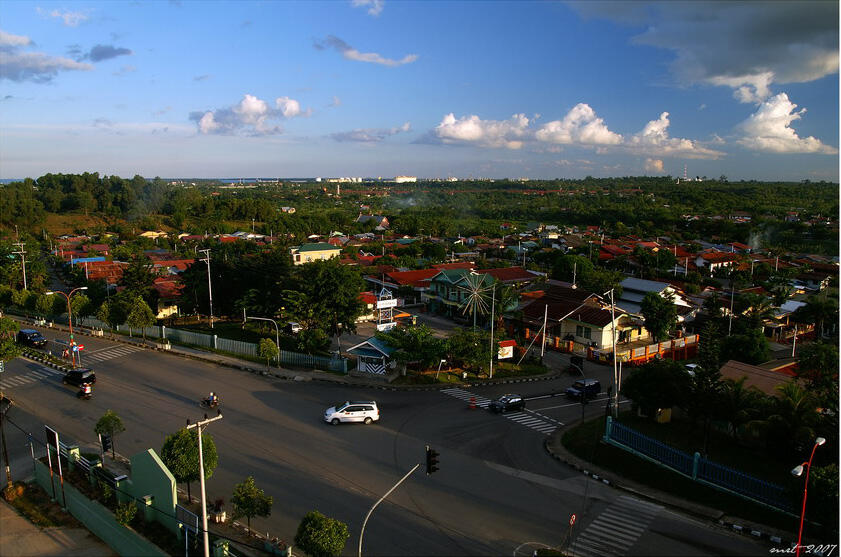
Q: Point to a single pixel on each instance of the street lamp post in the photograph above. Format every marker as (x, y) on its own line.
(276, 333)
(69, 317)
(798, 470)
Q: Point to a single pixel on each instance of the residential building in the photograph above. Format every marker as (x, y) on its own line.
(307, 253)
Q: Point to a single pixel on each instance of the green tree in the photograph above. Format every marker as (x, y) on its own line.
(660, 315)
(818, 364)
(140, 315)
(9, 349)
(110, 424)
(789, 421)
(823, 505)
(268, 350)
(750, 347)
(738, 405)
(321, 536)
(470, 347)
(81, 306)
(414, 345)
(332, 290)
(180, 453)
(818, 310)
(657, 384)
(249, 500)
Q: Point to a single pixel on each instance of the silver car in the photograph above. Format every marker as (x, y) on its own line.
(360, 411)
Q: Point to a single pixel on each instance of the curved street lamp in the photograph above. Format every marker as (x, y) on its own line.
(69, 316)
(798, 471)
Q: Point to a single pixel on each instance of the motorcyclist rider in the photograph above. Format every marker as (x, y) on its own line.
(85, 390)
(212, 399)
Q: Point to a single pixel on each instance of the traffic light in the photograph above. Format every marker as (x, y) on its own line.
(431, 460)
(106, 442)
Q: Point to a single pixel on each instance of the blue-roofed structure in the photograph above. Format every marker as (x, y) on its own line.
(372, 356)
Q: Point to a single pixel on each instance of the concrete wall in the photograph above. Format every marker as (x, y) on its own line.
(96, 518)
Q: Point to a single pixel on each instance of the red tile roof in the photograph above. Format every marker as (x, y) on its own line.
(168, 288)
(368, 298)
(412, 278)
(510, 274)
(457, 265)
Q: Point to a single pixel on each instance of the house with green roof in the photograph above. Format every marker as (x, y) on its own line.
(450, 289)
(306, 253)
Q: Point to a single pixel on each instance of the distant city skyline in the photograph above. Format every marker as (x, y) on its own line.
(370, 88)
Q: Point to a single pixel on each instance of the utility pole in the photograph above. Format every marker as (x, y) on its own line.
(22, 258)
(732, 295)
(615, 375)
(198, 425)
(493, 303)
(206, 259)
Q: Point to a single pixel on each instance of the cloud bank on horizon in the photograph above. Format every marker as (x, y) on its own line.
(746, 89)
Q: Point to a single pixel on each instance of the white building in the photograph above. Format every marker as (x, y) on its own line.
(405, 179)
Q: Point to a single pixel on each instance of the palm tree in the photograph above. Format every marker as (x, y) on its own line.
(791, 420)
(818, 310)
(759, 309)
(738, 404)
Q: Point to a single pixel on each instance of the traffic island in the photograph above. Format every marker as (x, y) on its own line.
(581, 446)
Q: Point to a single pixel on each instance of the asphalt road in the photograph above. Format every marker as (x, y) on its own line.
(496, 491)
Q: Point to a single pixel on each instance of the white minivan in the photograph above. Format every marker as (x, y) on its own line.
(364, 411)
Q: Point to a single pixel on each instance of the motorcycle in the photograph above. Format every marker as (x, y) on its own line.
(85, 391)
(206, 403)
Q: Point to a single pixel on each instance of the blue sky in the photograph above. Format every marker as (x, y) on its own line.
(432, 89)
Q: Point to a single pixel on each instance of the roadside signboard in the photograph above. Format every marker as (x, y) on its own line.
(388, 303)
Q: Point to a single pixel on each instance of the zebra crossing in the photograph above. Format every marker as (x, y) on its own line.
(528, 418)
(481, 401)
(30, 377)
(616, 529)
(110, 353)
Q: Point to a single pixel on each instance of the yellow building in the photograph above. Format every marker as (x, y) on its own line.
(306, 253)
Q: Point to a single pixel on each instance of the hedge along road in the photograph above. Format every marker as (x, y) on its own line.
(272, 429)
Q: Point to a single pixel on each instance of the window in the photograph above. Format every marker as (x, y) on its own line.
(581, 331)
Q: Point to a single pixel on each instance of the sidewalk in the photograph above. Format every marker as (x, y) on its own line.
(19, 537)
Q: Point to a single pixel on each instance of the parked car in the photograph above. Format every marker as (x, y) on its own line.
(587, 388)
(507, 402)
(360, 411)
(690, 369)
(79, 376)
(31, 337)
(292, 328)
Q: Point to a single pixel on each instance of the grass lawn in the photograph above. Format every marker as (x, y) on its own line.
(501, 369)
(585, 442)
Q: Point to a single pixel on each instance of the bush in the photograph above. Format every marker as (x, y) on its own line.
(321, 536)
(125, 512)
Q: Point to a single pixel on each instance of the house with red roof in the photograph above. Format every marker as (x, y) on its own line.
(712, 261)
(169, 292)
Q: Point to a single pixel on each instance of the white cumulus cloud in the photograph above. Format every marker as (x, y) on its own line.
(654, 165)
(654, 140)
(769, 129)
(251, 116)
(747, 88)
(374, 6)
(581, 126)
(486, 133)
